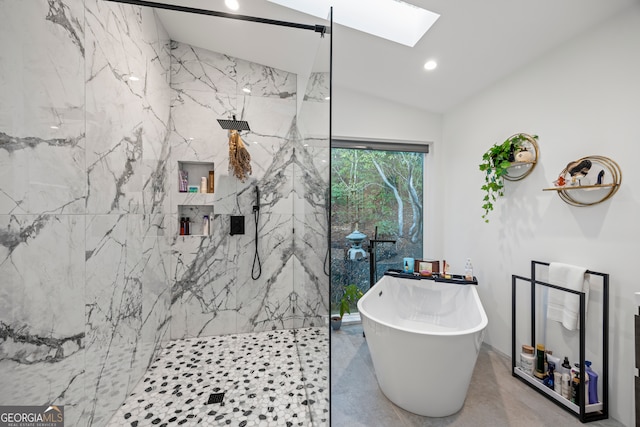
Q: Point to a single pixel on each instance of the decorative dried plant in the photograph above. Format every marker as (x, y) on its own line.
(239, 157)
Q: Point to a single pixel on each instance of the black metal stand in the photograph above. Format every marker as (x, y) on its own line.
(584, 412)
(372, 256)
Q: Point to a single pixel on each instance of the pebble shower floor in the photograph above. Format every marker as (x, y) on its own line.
(275, 378)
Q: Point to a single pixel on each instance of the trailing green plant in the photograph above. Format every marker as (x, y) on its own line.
(350, 297)
(495, 163)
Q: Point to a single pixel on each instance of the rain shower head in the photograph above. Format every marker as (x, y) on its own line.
(233, 124)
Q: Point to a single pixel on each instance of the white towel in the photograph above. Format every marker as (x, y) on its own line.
(564, 306)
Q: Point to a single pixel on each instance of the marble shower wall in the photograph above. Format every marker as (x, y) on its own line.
(84, 255)
(213, 291)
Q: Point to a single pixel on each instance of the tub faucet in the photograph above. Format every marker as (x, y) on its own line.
(372, 255)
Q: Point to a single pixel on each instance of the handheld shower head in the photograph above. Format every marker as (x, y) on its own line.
(256, 207)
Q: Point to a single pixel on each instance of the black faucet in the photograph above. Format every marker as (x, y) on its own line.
(372, 256)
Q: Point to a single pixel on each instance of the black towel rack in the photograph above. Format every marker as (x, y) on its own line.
(584, 412)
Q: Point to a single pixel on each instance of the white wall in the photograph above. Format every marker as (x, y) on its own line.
(358, 116)
(581, 99)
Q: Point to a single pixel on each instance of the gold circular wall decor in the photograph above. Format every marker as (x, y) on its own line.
(588, 181)
(529, 152)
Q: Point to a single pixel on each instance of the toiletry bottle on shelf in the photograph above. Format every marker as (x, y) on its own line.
(557, 380)
(539, 371)
(205, 225)
(182, 223)
(550, 378)
(557, 373)
(468, 270)
(187, 226)
(593, 383)
(575, 390)
(566, 378)
(575, 372)
(203, 184)
(527, 359)
(210, 188)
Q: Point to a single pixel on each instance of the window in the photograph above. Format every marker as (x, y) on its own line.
(373, 189)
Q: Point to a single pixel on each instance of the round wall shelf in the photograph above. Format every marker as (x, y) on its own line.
(588, 181)
(529, 152)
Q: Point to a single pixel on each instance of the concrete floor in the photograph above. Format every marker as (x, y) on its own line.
(495, 398)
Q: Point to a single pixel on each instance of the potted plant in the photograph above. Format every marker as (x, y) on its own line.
(495, 163)
(350, 297)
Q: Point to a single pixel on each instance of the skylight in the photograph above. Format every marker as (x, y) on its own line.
(393, 20)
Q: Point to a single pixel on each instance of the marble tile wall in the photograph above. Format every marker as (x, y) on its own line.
(95, 278)
(84, 251)
(213, 291)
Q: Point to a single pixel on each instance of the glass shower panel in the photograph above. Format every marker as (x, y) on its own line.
(311, 187)
(311, 225)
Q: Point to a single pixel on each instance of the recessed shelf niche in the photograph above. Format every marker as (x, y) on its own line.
(196, 214)
(195, 171)
(195, 205)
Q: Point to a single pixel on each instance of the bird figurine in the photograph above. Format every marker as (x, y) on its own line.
(578, 169)
(600, 176)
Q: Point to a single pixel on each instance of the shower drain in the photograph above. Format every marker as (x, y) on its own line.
(215, 398)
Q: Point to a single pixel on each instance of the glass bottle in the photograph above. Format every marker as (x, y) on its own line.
(468, 270)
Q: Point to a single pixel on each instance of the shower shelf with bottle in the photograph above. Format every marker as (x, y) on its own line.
(584, 411)
(195, 197)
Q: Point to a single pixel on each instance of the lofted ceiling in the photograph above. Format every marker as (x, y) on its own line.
(474, 42)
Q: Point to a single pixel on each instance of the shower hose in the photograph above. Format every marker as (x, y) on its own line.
(256, 269)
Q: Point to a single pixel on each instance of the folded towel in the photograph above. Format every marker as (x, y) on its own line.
(563, 306)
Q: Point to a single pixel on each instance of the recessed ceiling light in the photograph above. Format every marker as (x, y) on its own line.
(393, 20)
(246, 90)
(232, 4)
(430, 65)
(54, 127)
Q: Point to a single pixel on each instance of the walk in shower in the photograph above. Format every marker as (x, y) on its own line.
(102, 108)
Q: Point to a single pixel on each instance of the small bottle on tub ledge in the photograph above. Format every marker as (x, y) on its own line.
(468, 270)
(445, 270)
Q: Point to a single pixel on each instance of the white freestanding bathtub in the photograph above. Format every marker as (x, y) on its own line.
(424, 338)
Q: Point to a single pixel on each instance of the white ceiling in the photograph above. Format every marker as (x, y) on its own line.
(475, 43)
